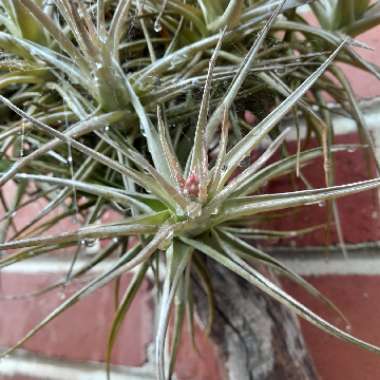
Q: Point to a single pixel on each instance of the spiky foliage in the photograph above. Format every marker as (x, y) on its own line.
(71, 63)
(113, 122)
(73, 58)
(352, 17)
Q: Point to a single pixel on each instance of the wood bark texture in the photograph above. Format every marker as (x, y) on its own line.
(258, 338)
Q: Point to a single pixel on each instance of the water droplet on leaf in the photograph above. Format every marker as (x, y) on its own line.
(157, 26)
(194, 210)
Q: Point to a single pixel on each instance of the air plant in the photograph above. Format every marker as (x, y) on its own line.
(109, 122)
(180, 211)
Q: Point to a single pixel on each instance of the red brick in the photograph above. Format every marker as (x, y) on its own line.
(359, 213)
(80, 333)
(357, 297)
(365, 85)
(202, 365)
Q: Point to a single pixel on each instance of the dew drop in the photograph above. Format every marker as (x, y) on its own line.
(90, 242)
(62, 296)
(92, 246)
(102, 38)
(245, 162)
(157, 26)
(215, 211)
(194, 210)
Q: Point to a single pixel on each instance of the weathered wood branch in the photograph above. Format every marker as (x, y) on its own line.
(258, 338)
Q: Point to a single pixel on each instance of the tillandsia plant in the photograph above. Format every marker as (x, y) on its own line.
(110, 121)
(180, 212)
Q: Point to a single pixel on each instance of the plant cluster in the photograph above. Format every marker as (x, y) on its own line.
(138, 106)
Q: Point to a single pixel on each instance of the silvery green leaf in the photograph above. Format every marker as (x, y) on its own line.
(243, 148)
(261, 282)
